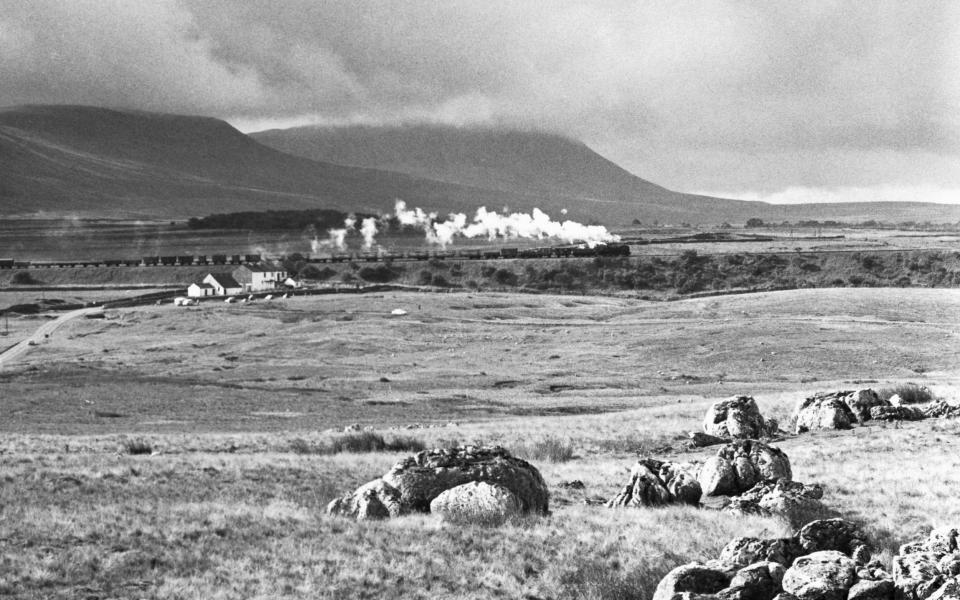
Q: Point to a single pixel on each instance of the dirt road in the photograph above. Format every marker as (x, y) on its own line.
(42, 333)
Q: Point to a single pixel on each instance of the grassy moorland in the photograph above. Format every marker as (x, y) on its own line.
(233, 408)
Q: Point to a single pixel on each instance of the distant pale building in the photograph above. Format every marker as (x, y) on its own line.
(260, 277)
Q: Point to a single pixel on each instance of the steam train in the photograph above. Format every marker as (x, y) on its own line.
(413, 255)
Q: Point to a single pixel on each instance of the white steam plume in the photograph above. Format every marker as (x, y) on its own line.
(369, 232)
(492, 225)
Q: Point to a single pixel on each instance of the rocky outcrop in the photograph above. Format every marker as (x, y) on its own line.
(413, 483)
(860, 402)
(823, 575)
(657, 483)
(814, 564)
(742, 551)
(791, 500)
(691, 579)
(735, 417)
(940, 409)
(476, 502)
(739, 466)
(699, 439)
(929, 568)
(371, 501)
(896, 413)
(758, 581)
(824, 411)
(834, 534)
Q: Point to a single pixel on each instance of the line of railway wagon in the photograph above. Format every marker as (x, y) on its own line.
(238, 259)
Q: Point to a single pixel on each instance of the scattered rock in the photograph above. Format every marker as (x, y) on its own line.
(739, 466)
(824, 411)
(352, 427)
(759, 581)
(735, 417)
(691, 578)
(896, 413)
(831, 534)
(928, 568)
(413, 483)
(576, 484)
(698, 439)
(791, 500)
(862, 401)
(867, 589)
(941, 409)
(476, 502)
(824, 575)
(373, 500)
(743, 551)
(656, 483)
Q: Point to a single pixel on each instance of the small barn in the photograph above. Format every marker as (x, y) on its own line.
(199, 290)
(223, 284)
(260, 277)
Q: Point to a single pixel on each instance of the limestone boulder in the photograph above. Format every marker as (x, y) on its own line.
(739, 466)
(658, 483)
(948, 591)
(823, 411)
(916, 576)
(691, 579)
(735, 417)
(374, 500)
(941, 409)
(423, 477)
(867, 589)
(824, 575)
(743, 551)
(831, 534)
(413, 483)
(862, 401)
(476, 502)
(758, 581)
(896, 413)
(796, 502)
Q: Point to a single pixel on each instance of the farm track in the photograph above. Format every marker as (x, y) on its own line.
(42, 332)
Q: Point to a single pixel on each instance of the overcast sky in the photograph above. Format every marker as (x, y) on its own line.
(783, 101)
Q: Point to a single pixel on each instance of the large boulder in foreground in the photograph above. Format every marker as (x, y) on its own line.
(691, 579)
(735, 417)
(657, 483)
(476, 502)
(739, 466)
(824, 575)
(413, 483)
(929, 568)
(824, 411)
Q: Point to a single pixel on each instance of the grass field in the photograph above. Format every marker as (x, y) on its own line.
(227, 396)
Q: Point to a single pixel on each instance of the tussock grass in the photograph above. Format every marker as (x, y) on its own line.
(366, 441)
(549, 448)
(137, 446)
(910, 393)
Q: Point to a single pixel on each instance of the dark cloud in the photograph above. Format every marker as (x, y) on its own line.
(739, 95)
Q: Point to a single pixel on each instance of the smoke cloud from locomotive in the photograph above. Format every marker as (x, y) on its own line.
(492, 225)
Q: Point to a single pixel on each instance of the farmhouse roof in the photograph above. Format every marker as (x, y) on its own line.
(225, 280)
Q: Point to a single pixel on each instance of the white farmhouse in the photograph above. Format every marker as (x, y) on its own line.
(222, 284)
(199, 290)
(259, 277)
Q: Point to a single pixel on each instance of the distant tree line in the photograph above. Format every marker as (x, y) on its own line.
(869, 224)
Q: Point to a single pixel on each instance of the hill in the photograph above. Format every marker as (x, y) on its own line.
(101, 162)
(563, 171)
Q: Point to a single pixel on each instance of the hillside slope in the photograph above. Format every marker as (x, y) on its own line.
(94, 161)
(565, 172)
